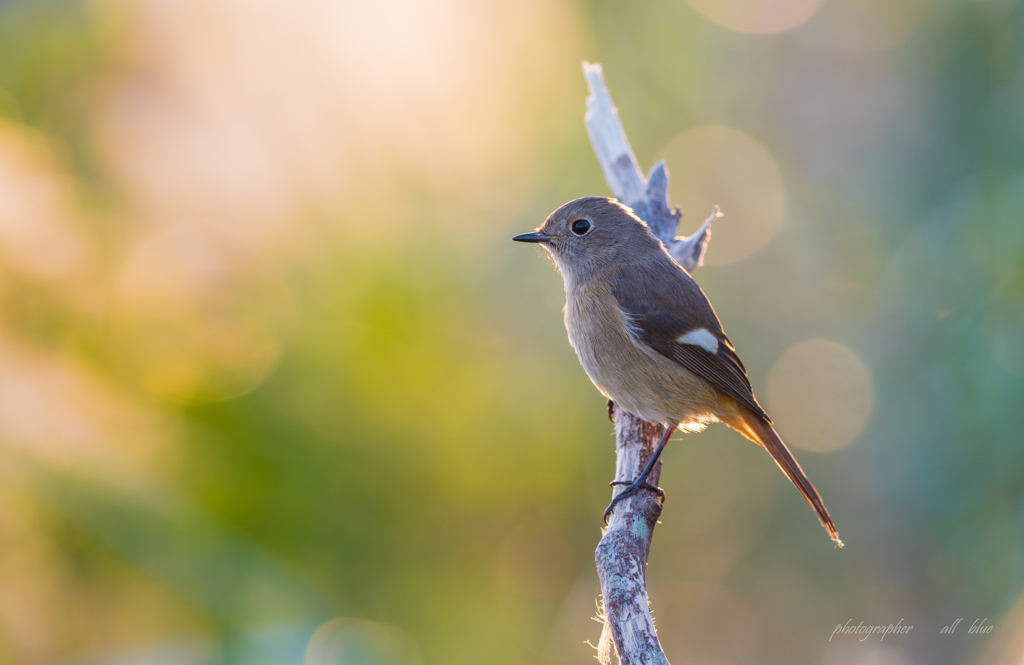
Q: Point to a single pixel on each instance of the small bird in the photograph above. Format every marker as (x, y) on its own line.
(648, 337)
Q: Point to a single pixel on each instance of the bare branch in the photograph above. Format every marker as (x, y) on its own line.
(647, 196)
(616, 157)
(622, 553)
(689, 251)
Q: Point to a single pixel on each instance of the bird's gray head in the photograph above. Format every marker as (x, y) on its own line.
(590, 234)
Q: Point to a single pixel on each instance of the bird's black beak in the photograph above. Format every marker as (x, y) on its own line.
(532, 237)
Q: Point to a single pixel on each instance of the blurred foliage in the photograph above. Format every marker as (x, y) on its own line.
(276, 388)
(56, 57)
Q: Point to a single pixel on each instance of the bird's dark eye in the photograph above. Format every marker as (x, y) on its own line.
(580, 226)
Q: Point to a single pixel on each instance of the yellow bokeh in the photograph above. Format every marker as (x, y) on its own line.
(757, 16)
(819, 395)
(715, 165)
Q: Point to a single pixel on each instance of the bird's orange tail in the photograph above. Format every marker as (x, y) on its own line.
(759, 431)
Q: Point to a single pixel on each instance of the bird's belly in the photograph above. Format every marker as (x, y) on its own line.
(636, 377)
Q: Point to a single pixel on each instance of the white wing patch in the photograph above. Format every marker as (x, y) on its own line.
(702, 338)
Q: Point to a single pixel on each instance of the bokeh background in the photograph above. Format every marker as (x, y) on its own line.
(275, 388)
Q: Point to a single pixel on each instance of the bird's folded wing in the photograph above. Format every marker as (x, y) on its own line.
(670, 313)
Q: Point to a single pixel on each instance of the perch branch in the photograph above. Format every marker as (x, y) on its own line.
(622, 553)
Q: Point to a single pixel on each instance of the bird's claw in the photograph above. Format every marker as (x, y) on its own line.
(633, 488)
(611, 411)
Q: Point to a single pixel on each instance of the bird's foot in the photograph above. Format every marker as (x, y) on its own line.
(611, 410)
(634, 487)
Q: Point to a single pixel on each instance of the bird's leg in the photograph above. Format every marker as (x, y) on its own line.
(611, 411)
(641, 482)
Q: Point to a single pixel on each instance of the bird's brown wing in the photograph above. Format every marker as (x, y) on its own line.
(664, 304)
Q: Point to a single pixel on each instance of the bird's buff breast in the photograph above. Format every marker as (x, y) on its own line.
(626, 370)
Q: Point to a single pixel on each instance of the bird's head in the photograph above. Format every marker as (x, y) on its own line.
(591, 234)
